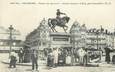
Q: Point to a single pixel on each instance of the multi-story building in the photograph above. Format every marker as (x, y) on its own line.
(95, 39)
(99, 38)
(40, 37)
(78, 35)
(5, 40)
(90, 38)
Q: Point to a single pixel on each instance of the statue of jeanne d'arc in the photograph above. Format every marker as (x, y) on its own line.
(59, 13)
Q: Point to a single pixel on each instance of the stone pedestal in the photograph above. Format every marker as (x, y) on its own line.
(59, 39)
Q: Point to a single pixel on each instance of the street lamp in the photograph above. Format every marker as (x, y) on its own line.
(97, 33)
(10, 28)
(98, 48)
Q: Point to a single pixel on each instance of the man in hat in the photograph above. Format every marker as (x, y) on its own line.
(34, 57)
(58, 13)
(13, 59)
(20, 54)
(107, 56)
(55, 54)
(81, 53)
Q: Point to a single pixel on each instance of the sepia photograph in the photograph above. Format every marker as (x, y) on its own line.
(57, 36)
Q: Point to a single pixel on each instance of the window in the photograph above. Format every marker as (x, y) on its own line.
(1, 43)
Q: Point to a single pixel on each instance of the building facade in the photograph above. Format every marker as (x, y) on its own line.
(39, 38)
(5, 40)
(78, 36)
(96, 40)
(100, 38)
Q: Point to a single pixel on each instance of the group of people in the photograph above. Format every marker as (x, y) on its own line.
(52, 58)
(14, 57)
(108, 57)
(60, 56)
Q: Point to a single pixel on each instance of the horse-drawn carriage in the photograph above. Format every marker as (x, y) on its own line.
(86, 56)
(94, 55)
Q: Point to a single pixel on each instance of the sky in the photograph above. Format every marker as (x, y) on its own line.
(26, 17)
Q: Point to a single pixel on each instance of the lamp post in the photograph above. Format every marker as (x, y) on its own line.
(10, 28)
(99, 49)
(114, 39)
(97, 38)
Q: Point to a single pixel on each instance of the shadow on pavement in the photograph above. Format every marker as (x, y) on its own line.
(28, 69)
(88, 65)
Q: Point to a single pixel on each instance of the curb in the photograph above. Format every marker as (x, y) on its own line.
(95, 64)
(22, 64)
(106, 65)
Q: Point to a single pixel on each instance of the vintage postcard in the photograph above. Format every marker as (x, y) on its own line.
(57, 35)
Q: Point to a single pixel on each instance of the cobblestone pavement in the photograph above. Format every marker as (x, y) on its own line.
(104, 68)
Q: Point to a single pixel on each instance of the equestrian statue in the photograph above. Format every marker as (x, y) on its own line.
(59, 21)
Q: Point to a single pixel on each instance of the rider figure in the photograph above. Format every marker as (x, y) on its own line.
(58, 13)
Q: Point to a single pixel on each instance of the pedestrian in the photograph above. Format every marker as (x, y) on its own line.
(81, 53)
(20, 54)
(13, 59)
(107, 56)
(86, 58)
(55, 54)
(34, 57)
(27, 55)
(61, 57)
(64, 52)
(50, 59)
(68, 59)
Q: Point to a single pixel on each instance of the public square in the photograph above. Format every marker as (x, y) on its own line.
(57, 39)
(42, 68)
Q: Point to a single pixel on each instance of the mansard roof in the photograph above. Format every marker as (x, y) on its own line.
(43, 25)
(83, 27)
(75, 26)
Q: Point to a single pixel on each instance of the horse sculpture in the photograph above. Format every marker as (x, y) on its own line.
(53, 22)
